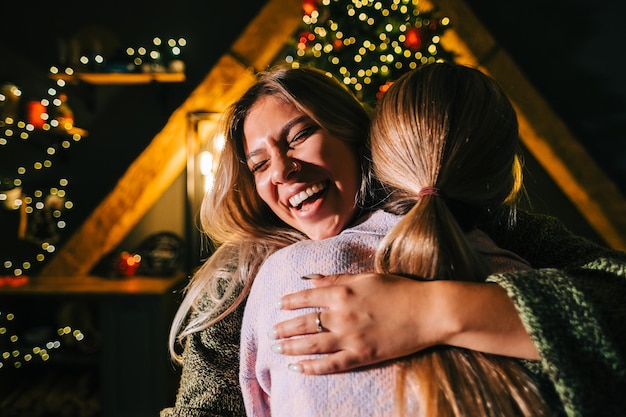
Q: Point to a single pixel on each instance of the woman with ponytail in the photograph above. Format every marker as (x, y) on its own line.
(451, 166)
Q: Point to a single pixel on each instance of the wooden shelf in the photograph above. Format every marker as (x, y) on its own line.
(84, 285)
(123, 78)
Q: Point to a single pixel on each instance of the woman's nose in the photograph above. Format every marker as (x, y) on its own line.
(283, 169)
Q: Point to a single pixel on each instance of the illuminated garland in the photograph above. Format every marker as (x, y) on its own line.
(160, 56)
(15, 354)
(50, 203)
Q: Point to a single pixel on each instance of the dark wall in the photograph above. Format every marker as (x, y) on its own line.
(572, 51)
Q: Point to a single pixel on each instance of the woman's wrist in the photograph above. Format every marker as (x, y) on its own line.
(481, 316)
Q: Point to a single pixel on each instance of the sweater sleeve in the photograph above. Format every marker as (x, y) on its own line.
(209, 383)
(573, 308)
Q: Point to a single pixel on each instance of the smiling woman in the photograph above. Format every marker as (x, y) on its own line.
(308, 128)
(307, 176)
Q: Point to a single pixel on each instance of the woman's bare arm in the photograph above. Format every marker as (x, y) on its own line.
(368, 318)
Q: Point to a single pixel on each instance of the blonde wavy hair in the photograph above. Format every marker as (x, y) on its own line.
(235, 219)
(453, 128)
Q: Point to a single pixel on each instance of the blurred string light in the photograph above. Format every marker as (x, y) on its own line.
(367, 44)
(159, 55)
(13, 350)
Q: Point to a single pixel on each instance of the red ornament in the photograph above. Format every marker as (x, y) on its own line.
(37, 114)
(413, 39)
(309, 6)
(305, 38)
(127, 264)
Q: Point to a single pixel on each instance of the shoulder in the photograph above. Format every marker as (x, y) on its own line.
(378, 223)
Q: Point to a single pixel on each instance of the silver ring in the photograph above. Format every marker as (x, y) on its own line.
(318, 322)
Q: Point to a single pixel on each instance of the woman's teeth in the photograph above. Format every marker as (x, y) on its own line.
(297, 199)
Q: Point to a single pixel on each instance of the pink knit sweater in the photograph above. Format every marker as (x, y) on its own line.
(268, 387)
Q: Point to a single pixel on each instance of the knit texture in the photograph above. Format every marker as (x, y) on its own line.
(576, 316)
(209, 382)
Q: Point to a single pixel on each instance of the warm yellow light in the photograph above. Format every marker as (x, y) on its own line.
(206, 163)
(218, 142)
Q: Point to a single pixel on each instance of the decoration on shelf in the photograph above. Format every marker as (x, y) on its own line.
(162, 61)
(161, 57)
(127, 264)
(367, 43)
(162, 254)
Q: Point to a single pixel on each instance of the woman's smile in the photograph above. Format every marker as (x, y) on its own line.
(310, 193)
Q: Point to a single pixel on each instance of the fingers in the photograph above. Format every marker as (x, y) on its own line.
(302, 325)
(322, 294)
(313, 297)
(321, 343)
(319, 281)
(337, 362)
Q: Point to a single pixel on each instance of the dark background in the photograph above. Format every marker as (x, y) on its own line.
(572, 51)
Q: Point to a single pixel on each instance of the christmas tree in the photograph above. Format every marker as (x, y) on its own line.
(36, 130)
(366, 43)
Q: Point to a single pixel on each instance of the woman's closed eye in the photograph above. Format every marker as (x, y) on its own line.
(302, 135)
(255, 167)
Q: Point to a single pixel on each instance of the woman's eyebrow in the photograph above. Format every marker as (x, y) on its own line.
(288, 126)
(283, 133)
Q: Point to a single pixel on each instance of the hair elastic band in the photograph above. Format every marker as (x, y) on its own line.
(429, 191)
